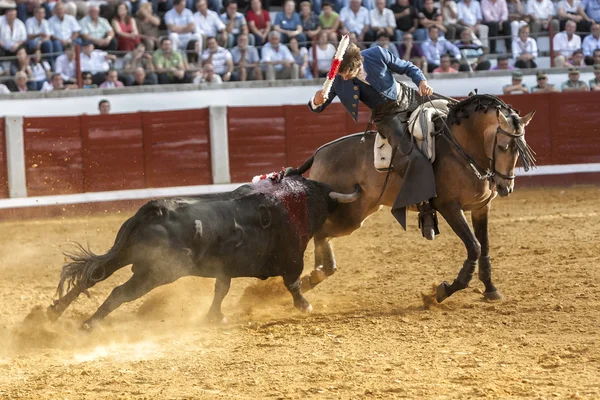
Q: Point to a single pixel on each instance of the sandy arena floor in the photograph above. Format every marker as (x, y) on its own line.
(370, 335)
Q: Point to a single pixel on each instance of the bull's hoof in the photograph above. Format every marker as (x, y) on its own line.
(493, 296)
(441, 292)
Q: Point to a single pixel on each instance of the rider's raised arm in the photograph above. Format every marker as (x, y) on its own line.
(402, 67)
(319, 108)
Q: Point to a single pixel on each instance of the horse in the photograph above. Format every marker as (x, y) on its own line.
(477, 149)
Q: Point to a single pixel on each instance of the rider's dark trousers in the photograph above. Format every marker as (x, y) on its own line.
(418, 180)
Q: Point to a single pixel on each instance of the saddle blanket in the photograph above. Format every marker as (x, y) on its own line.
(421, 126)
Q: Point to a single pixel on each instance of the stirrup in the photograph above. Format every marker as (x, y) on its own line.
(428, 220)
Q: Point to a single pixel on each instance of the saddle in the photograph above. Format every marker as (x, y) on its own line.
(421, 126)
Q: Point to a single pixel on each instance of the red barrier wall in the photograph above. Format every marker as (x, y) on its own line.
(3, 171)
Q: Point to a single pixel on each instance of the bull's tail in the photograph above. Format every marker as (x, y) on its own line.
(87, 268)
(302, 169)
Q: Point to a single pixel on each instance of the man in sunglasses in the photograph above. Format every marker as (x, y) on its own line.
(542, 84)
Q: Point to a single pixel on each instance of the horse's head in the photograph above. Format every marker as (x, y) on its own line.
(509, 146)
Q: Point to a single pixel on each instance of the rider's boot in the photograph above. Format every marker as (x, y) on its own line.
(428, 221)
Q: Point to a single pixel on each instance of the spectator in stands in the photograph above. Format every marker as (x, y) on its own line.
(181, 26)
(407, 18)
(139, 78)
(591, 11)
(21, 63)
(472, 52)
(13, 33)
(330, 22)
(596, 57)
(573, 84)
(219, 57)
(565, 43)
(259, 22)
(4, 89)
(435, 47)
(65, 64)
(138, 58)
(64, 28)
(541, 14)
(97, 30)
(595, 83)
(21, 83)
(470, 16)
(502, 64)
(288, 23)
(324, 54)
(517, 86)
(354, 40)
(571, 10)
(408, 50)
(300, 54)
(208, 23)
(126, 29)
(524, 49)
(495, 17)
(38, 32)
(40, 69)
(591, 43)
(111, 80)
(278, 60)
(208, 76)
(169, 63)
(193, 66)
(355, 18)
(95, 61)
(235, 24)
(430, 16)
(147, 24)
(246, 61)
(311, 25)
(384, 41)
(445, 67)
(382, 19)
(87, 81)
(449, 10)
(577, 59)
(104, 107)
(56, 83)
(517, 17)
(542, 84)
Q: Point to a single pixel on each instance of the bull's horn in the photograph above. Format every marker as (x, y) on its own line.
(346, 198)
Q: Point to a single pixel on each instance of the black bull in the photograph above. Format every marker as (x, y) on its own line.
(258, 230)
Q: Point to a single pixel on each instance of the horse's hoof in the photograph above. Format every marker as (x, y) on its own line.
(441, 292)
(305, 307)
(493, 296)
(87, 327)
(216, 319)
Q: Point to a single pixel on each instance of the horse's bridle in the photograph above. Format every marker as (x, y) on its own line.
(493, 160)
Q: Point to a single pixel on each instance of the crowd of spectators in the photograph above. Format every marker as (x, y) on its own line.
(142, 42)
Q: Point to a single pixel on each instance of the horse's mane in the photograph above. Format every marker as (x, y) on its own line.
(477, 103)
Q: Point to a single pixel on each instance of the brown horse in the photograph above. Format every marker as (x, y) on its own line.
(475, 160)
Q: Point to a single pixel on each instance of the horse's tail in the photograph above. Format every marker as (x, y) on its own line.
(302, 169)
(86, 268)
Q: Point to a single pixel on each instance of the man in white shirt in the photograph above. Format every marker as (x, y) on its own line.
(470, 16)
(355, 18)
(13, 33)
(64, 28)
(38, 32)
(219, 57)
(434, 47)
(181, 26)
(591, 43)
(98, 30)
(95, 61)
(278, 60)
(65, 64)
(208, 23)
(565, 43)
(542, 14)
(382, 19)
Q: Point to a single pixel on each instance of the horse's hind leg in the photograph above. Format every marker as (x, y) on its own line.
(480, 224)
(455, 217)
(324, 263)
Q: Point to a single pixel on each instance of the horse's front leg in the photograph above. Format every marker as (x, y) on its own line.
(480, 225)
(324, 263)
(455, 217)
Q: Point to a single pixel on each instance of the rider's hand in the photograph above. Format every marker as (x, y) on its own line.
(319, 99)
(425, 89)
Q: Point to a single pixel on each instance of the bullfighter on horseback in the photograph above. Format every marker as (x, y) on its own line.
(367, 76)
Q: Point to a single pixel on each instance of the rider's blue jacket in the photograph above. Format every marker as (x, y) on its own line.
(380, 86)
